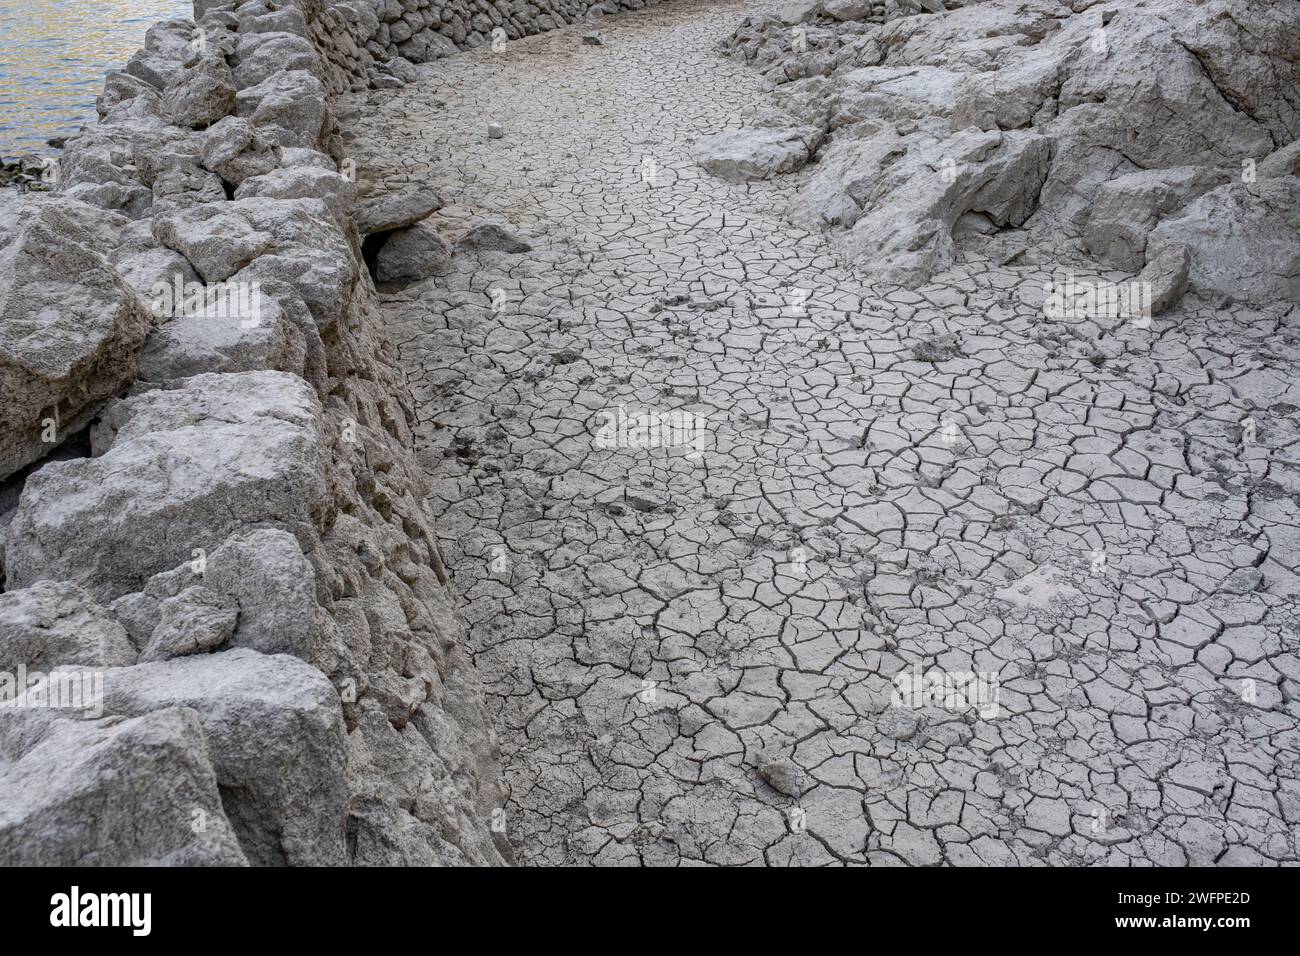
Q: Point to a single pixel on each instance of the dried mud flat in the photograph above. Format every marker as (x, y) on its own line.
(706, 488)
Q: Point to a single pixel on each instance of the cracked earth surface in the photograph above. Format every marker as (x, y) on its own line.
(690, 654)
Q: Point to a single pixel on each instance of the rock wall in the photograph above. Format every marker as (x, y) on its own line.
(225, 634)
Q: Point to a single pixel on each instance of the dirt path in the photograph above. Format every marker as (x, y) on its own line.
(690, 633)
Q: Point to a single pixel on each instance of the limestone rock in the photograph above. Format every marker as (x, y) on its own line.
(288, 108)
(177, 469)
(1243, 239)
(741, 155)
(216, 242)
(275, 732)
(489, 235)
(193, 621)
(205, 94)
(235, 150)
(412, 253)
(1128, 207)
(111, 792)
(261, 573)
(1167, 273)
(304, 182)
(70, 328)
(395, 210)
(847, 9)
(53, 623)
(261, 55)
(231, 333)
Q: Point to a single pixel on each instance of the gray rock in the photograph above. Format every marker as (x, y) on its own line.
(304, 182)
(111, 792)
(176, 470)
(495, 131)
(847, 9)
(217, 242)
(1127, 208)
(231, 333)
(263, 573)
(53, 623)
(261, 55)
(741, 155)
(1244, 241)
(235, 150)
(274, 727)
(193, 621)
(204, 94)
(288, 108)
(182, 186)
(487, 235)
(148, 270)
(903, 195)
(395, 210)
(781, 774)
(70, 328)
(1167, 274)
(412, 253)
(1282, 162)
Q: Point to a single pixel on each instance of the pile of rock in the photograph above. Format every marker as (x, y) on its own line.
(1154, 138)
(211, 518)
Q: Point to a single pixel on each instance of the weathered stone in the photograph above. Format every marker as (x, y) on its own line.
(1127, 208)
(53, 623)
(413, 253)
(395, 210)
(110, 792)
(193, 621)
(70, 328)
(177, 469)
(275, 733)
(488, 235)
(1243, 239)
(217, 243)
(741, 155)
(1166, 273)
(204, 94)
(236, 151)
(288, 108)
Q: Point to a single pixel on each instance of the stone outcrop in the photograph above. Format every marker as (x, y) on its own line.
(1153, 124)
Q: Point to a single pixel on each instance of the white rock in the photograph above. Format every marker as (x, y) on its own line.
(176, 470)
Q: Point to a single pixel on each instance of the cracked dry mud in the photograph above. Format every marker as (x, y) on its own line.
(1103, 515)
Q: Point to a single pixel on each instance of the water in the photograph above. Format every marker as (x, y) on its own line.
(53, 57)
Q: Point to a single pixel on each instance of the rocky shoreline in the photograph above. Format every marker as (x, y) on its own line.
(211, 519)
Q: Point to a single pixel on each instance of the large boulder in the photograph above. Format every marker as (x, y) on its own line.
(240, 330)
(289, 108)
(275, 732)
(901, 196)
(261, 55)
(110, 792)
(204, 94)
(1128, 207)
(70, 328)
(304, 182)
(756, 153)
(1243, 240)
(413, 253)
(53, 623)
(383, 213)
(235, 150)
(216, 241)
(177, 470)
(262, 574)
